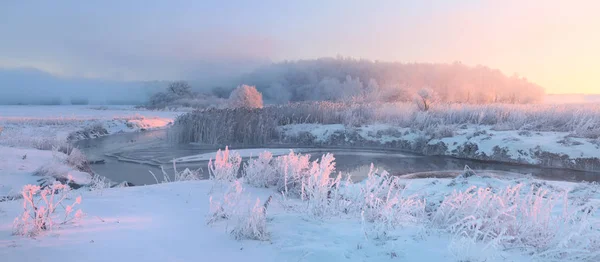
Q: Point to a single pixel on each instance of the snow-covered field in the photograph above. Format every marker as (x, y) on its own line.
(17, 166)
(474, 217)
(26, 130)
(44, 126)
(287, 208)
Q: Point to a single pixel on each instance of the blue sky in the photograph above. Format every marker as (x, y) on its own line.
(551, 42)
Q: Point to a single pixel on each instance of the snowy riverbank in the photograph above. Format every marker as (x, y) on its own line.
(28, 135)
(546, 149)
(374, 220)
(287, 208)
(44, 126)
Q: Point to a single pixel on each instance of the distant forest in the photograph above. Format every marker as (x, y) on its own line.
(342, 79)
(325, 79)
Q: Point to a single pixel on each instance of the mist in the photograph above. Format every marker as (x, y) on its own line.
(33, 86)
(30, 86)
(343, 79)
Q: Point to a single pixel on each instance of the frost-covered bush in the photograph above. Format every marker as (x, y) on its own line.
(260, 126)
(385, 205)
(245, 96)
(291, 171)
(179, 94)
(318, 188)
(260, 172)
(40, 209)
(77, 159)
(425, 98)
(90, 131)
(482, 221)
(178, 176)
(225, 166)
(534, 218)
(252, 224)
(99, 183)
(226, 206)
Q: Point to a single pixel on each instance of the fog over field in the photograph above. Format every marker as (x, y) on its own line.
(299, 131)
(326, 79)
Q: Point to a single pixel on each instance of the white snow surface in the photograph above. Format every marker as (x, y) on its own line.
(38, 126)
(166, 222)
(15, 172)
(24, 128)
(518, 143)
(17, 166)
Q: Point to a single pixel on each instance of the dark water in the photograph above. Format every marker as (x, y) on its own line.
(129, 157)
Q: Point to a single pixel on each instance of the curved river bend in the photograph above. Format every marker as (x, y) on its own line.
(129, 157)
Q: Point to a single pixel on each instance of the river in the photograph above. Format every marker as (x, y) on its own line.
(130, 156)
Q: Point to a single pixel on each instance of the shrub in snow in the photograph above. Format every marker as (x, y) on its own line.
(226, 206)
(260, 172)
(317, 188)
(385, 205)
(91, 131)
(40, 209)
(425, 98)
(77, 159)
(291, 170)
(185, 175)
(252, 224)
(520, 217)
(225, 167)
(99, 183)
(245, 96)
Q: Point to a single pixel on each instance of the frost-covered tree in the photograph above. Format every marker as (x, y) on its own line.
(337, 79)
(425, 98)
(245, 96)
(180, 89)
(180, 94)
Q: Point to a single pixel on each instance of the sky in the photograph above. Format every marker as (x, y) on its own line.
(552, 43)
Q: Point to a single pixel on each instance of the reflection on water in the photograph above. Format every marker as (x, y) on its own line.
(123, 154)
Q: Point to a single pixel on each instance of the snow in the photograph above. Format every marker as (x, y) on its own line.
(24, 128)
(40, 126)
(517, 143)
(15, 172)
(167, 222)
